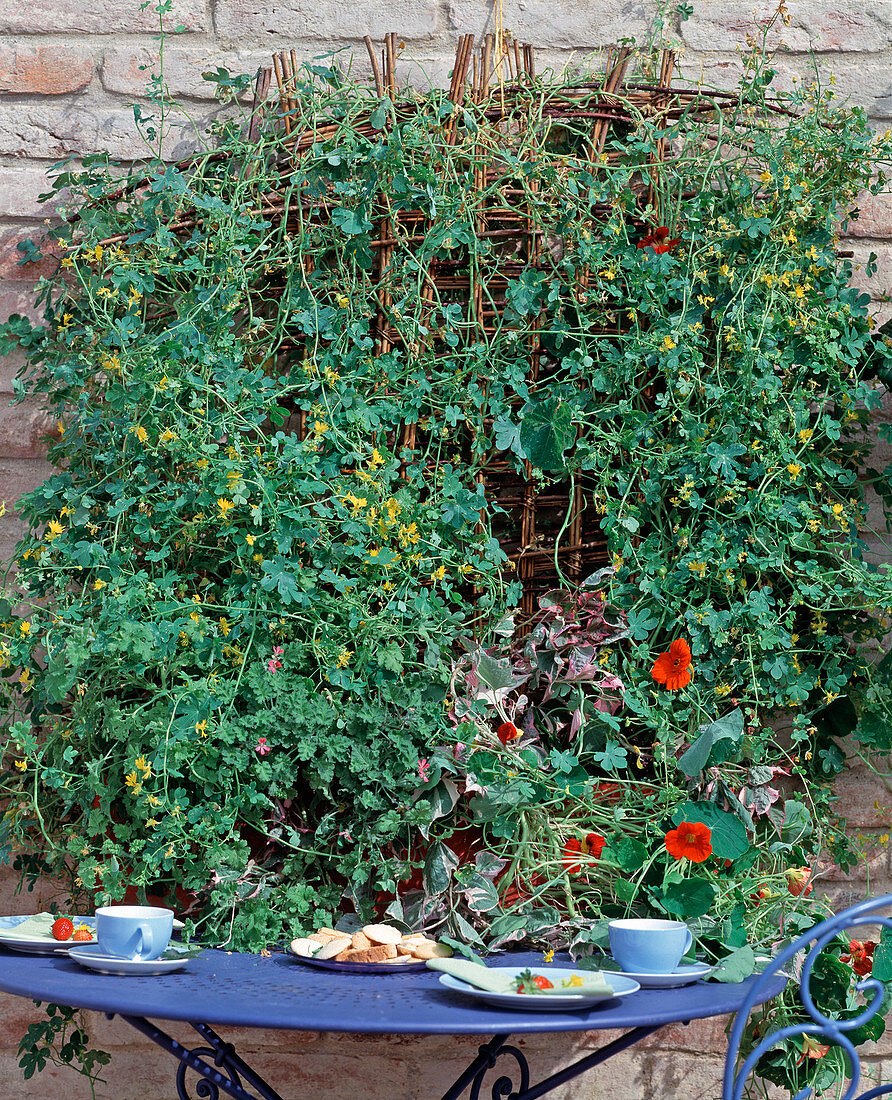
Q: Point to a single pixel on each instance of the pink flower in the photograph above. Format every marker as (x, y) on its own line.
(274, 664)
(261, 748)
(424, 767)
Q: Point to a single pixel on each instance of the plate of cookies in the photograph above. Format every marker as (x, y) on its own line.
(374, 948)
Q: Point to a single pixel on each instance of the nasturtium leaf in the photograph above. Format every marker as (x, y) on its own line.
(882, 958)
(546, 432)
(627, 853)
(736, 967)
(729, 839)
(692, 897)
(716, 743)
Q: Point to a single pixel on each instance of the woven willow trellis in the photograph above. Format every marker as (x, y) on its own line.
(500, 80)
(548, 528)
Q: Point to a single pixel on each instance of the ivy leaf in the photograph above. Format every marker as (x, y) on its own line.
(480, 894)
(439, 865)
(729, 839)
(708, 748)
(507, 435)
(278, 577)
(546, 432)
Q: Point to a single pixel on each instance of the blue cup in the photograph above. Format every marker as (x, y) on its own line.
(649, 946)
(136, 932)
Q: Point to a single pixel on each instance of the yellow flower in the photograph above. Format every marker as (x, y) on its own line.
(225, 506)
(151, 823)
(202, 727)
(25, 628)
(438, 574)
(394, 508)
(343, 301)
(377, 458)
(139, 431)
(344, 657)
(167, 436)
(201, 464)
(143, 765)
(668, 343)
(409, 535)
(766, 176)
(132, 781)
(320, 427)
(249, 539)
(98, 584)
(697, 567)
(195, 617)
(22, 765)
(53, 530)
(794, 469)
(806, 434)
(571, 982)
(354, 502)
(224, 626)
(548, 955)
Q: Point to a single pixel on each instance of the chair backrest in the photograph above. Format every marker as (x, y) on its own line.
(834, 1031)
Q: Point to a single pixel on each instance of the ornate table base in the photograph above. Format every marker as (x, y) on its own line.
(220, 1068)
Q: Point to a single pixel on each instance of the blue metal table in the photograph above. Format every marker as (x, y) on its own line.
(241, 990)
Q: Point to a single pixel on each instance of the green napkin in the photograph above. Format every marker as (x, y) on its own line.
(37, 927)
(502, 981)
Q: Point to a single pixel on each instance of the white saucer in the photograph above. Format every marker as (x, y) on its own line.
(96, 959)
(681, 975)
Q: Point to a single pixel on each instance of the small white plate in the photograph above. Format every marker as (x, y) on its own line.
(681, 975)
(96, 959)
(39, 944)
(620, 985)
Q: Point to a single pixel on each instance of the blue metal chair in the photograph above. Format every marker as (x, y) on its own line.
(833, 1031)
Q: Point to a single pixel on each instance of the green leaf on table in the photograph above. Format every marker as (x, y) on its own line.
(729, 839)
(717, 743)
(692, 897)
(735, 967)
(546, 432)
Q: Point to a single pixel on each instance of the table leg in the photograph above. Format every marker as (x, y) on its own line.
(236, 1079)
(503, 1088)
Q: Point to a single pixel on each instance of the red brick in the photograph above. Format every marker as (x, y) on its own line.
(17, 298)
(863, 799)
(20, 184)
(878, 285)
(875, 217)
(23, 430)
(96, 17)
(45, 70)
(10, 269)
(844, 26)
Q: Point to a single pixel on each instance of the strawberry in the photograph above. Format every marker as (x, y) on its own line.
(62, 929)
(82, 935)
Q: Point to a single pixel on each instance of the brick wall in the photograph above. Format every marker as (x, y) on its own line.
(68, 70)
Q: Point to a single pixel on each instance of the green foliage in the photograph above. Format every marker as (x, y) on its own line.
(60, 1040)
(269, 664)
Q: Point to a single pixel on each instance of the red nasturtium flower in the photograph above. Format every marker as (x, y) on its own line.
(691, 840)
(797, 881)
(656, 239)
(506, 732)
(811, 1048)
(860, 956)
(674, 668)
(592, 845)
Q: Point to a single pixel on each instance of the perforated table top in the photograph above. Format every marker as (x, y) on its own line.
(279, 992)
